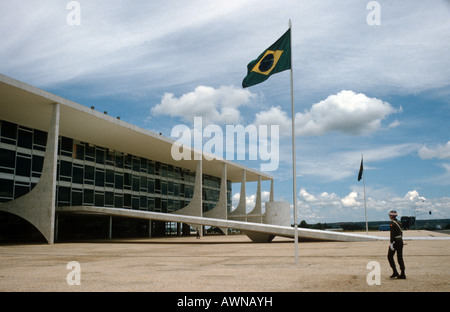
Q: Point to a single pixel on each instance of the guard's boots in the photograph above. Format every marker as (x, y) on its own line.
(402, 275)
(394, 274)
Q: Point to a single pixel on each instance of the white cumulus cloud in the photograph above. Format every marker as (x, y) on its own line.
(307, 196)
(348, 112)
(414, 195)
(350, 199)
(215, 106)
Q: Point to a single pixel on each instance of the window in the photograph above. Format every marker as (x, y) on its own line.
(89, 152)
(119, 160)
(99, 156)
(77, 197)
(39, 140)
(182, 190)
(88, 197)
(164, 188)
(79, 151)
(188, 192)
(89, 173)
(21, 189)
(109, 178)
(66, 146)
(65, 169)
(99, 199)
(177, 174)
(37, 163)
(127, 160)
(127, 180)
(9, 132)
(143, 202)
(127, 200)
(136, 164)
(151, 204)
(170, 188)
(109, 157)
(157, 204)
(25, 139)
(77, 176)
(136, 184)
(63, 196)
(157, 168)
(99, 177)
(118, 182)
(6, 188)
(7, 160)
(135, 202)
(109, 199)
(118, 201)
(157, 186)
(151, 186)
(23, 167)
(144, 165)
(151, 167)
(143, 183)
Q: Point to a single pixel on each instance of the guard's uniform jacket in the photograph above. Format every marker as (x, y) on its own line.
(396, 232)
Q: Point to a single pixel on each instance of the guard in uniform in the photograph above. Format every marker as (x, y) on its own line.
(396, 246)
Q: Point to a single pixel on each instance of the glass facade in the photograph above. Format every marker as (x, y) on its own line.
(97, 176)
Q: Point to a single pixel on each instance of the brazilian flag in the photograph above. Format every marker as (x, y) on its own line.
(275, 59)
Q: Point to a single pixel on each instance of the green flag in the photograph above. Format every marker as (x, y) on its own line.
(275, 59)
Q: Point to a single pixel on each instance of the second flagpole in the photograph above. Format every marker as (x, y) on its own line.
(365, 204)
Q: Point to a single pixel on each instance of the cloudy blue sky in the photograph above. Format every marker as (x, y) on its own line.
(381, 91)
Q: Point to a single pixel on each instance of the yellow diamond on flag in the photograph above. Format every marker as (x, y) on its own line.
(267, 62)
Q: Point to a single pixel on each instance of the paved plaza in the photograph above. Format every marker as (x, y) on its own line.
(222, 263)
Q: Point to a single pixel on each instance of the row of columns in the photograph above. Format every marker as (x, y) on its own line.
(195, 207)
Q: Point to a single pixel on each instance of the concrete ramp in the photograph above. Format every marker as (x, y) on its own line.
(257, 232)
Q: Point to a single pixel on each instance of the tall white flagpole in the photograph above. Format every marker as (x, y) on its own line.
(294, 170)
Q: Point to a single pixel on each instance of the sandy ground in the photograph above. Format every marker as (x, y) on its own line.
(223, 263)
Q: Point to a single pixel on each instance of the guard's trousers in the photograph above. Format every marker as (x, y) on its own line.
(398, 247)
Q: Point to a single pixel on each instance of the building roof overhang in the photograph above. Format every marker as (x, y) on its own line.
(31, 107)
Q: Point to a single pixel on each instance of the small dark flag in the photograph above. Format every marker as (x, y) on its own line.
(361, 169)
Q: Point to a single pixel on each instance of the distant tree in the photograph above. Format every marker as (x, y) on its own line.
(351, 227)
(319, 226)
(303, 224)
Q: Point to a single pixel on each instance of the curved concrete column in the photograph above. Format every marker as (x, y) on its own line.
(278, 213)
(220, 210)
(195, 207)
(38, 206)
(258, 237)
(239, 213)
(256, 214)
(271, 191)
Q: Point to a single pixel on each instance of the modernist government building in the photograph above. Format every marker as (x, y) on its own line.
(68, 171)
